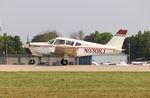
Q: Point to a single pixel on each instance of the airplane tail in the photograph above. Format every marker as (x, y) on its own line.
(118, 39)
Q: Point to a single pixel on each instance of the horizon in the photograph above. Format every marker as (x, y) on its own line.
(27, 37)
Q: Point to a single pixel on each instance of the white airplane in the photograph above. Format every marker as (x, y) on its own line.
(66, 47)
(139, 63)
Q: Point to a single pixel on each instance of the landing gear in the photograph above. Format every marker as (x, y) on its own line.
(64, 62)
(32, 61)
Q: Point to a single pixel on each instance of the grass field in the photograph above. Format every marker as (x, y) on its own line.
(74, 85)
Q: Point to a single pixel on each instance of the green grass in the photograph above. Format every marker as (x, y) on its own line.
(74, 85)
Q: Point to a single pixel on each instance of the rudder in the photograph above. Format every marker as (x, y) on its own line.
(118, 39)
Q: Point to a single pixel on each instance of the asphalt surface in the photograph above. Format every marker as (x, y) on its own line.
(84, 68)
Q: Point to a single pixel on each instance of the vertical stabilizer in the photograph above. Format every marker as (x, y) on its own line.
(118, 39)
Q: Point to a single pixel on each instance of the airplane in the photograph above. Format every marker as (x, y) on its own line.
(67, 47)
(139, 63)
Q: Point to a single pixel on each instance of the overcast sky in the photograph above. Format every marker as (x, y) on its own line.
(30, 17)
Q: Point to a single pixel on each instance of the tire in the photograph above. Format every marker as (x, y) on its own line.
(32, 61)
(64, 62)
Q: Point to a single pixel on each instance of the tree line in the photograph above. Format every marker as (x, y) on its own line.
(139, 44)
(10, 44)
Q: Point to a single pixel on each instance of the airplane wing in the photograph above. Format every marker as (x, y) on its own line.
(66, 51)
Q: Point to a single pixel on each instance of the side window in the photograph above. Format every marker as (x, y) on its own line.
(69, 43)
(78, 44)
(59, 42)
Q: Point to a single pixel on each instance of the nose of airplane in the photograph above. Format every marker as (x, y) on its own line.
(26, 45)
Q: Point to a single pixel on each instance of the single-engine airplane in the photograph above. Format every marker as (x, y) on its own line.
(67, 47)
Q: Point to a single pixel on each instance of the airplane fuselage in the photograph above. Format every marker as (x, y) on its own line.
(84, 49)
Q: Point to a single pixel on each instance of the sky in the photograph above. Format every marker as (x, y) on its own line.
(31, 17)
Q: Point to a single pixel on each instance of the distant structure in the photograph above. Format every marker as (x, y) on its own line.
(110, 58)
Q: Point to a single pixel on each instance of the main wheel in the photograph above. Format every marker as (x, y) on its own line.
(64, 62)
(32, 61)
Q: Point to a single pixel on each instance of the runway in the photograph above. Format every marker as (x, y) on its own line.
(75, 68)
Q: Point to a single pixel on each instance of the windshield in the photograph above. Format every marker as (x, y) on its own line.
(51, 41)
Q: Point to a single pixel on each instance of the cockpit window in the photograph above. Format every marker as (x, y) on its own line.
(51, 41)
(59, 42)
(69, 43)
(78, 44)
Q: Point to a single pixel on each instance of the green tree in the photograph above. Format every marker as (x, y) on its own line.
(4, 42)
(140, 45)
(45, 36)
(10, 44)
(93, 37)
(1, 44)
(105, 37)
(17, 45)
(98, 37)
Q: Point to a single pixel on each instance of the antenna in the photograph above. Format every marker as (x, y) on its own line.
(27, 40)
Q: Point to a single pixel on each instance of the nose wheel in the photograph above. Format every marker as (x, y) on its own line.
(64, 62)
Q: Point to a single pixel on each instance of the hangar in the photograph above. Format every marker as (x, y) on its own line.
(110, 58)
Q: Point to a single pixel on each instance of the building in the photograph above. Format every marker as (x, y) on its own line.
(110, 58)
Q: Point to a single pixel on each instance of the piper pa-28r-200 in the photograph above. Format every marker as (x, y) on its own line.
(66, 47)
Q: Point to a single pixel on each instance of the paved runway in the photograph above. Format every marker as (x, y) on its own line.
(84, 68)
